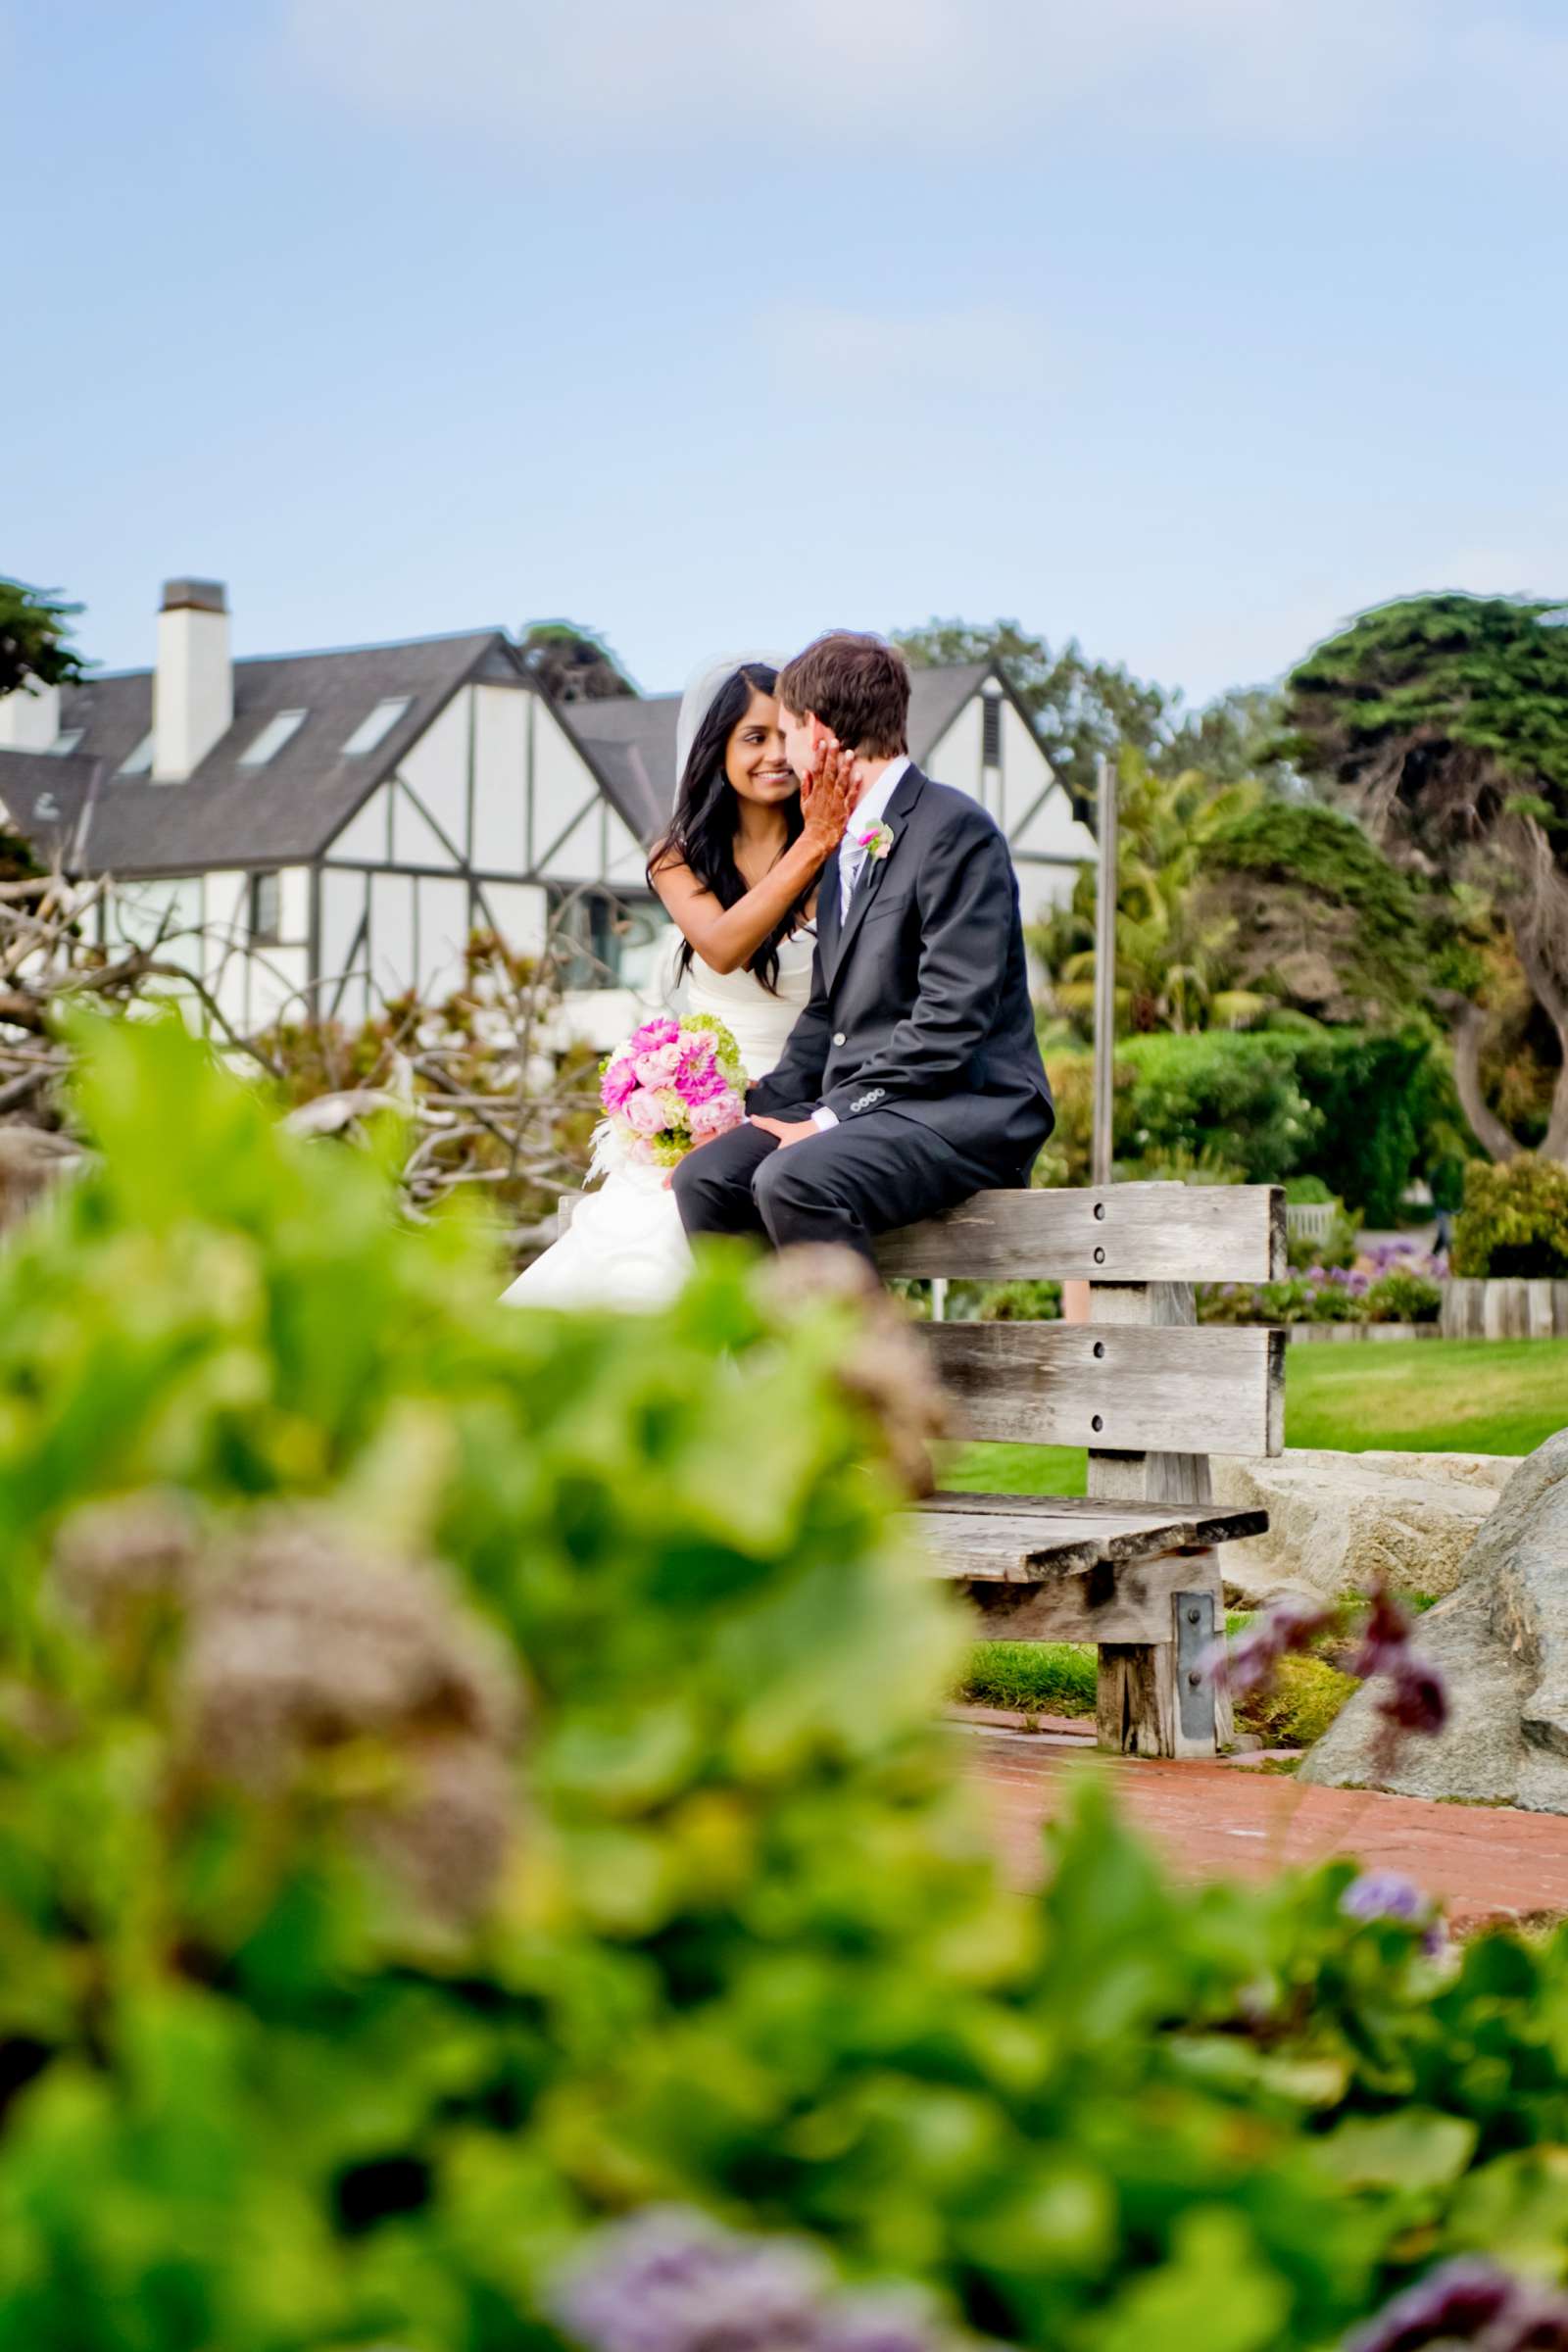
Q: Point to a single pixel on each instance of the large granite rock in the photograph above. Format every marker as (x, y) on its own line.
(1501, 1643)
(1339, 1522)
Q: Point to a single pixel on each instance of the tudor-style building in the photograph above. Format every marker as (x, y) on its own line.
(330, 826)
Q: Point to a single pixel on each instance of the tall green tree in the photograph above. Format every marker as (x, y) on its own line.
(1322, 920)
(1174, 950)
(1443, 720)
(34, 638)
(572, 664)
(1084, 710)
(1081, 709)
(1235, 736)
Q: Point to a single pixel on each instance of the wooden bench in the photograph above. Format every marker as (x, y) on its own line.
(1133, 1567)
(1152, 1395)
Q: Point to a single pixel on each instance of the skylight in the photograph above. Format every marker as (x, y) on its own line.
(140, 760)
(370, 731)
(273, 737)
(63, 745)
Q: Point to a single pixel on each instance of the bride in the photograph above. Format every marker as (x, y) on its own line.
(737, 872)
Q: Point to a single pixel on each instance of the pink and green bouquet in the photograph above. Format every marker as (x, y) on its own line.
(673, 1084)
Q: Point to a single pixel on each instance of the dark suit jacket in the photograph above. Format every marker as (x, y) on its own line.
(919, 1001)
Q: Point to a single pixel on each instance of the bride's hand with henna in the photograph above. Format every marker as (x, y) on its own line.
(827, 798)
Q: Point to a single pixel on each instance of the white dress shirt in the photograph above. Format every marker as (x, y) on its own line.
(852, 860)
(870, 812)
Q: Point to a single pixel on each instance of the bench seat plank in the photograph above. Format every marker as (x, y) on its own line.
(1030, 1538)
(1128, 1604)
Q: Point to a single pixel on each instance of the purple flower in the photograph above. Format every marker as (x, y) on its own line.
(1469, 2302)
(1250, 1661)
(673, 2280)
(669, 2280)
(1416, 1698)
(1390, 1894)
(1384, 1895)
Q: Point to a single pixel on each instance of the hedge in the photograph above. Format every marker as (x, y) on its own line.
(1355, 1108)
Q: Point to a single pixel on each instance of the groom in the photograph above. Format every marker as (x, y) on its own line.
(912, 1077)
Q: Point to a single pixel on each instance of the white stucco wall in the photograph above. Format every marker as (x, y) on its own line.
(503, 726)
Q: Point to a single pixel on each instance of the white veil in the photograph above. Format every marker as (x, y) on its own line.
(703, 689)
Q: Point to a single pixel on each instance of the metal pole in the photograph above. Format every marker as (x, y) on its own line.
(1105, 971)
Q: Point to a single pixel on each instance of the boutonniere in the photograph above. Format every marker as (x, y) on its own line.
(875, 842)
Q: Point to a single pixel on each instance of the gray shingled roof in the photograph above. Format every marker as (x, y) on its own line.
(44, 796)
(635, 741)
(226, 815)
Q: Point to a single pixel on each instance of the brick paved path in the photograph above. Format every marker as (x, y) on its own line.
(1482, 1862)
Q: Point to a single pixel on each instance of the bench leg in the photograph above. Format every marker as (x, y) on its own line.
(1135, 1709)
(1154, 1699)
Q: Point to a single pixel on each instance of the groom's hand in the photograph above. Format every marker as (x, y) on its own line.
(788, 1131)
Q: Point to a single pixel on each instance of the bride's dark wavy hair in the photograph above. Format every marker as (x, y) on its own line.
(701, 831)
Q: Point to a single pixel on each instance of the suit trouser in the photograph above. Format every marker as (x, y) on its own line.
(845, 1185)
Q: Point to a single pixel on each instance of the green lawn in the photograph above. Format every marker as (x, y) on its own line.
(1417, 1395)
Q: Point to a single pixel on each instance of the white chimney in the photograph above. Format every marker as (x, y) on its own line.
(193, 684)
(30, 717)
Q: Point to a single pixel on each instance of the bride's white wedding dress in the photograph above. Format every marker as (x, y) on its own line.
(625, 1247)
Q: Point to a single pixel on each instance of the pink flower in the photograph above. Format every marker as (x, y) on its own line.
(652, 1035)
(619, 1081)
(658, 1065)
(644, 1112)
(715, 1116)
(700, 1079)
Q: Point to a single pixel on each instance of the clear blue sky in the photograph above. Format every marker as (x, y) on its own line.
(1188, 329)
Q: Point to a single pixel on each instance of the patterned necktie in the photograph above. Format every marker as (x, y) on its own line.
(851, 862)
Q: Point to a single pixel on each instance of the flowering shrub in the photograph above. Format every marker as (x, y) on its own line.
(468, 1775)
(1397, 1285)
(1403, 1295)
(1320, 1294)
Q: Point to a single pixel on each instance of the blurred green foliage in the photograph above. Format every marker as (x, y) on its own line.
(1515, 1219)
(748, 1945)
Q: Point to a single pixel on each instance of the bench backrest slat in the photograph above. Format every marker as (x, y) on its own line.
(1202, 1389)
(1124, 1233)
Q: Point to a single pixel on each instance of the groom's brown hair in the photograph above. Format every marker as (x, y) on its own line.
(858, 686)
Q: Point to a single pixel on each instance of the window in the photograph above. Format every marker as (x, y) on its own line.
(266, 909)
(602, 940)
(370, 731)
(63, 745)
(140, 760)
(991, 732)
(273, 737)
